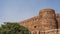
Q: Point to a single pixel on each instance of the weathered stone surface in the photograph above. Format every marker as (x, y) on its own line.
(47, 13)
(46, 20)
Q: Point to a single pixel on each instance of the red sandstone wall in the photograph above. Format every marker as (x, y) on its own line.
(58, 20)
(45, 20)
(31, 24)
(48, 20)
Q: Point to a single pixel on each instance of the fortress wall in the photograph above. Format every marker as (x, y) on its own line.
(58, 20)
(48, 20)
(29, 23)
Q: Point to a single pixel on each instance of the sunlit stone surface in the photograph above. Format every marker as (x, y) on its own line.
(47, 22)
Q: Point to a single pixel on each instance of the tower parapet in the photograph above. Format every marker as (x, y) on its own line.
(47, 13)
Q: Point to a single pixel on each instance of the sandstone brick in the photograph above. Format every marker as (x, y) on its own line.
(46, 20)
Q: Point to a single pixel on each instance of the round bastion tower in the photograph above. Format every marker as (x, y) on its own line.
(47, 21)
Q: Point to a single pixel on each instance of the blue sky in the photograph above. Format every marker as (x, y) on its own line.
(18, 10)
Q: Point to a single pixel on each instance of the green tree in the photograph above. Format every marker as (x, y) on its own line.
(13, 28)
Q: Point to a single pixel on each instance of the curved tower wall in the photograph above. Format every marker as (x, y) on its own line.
(47, 21)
